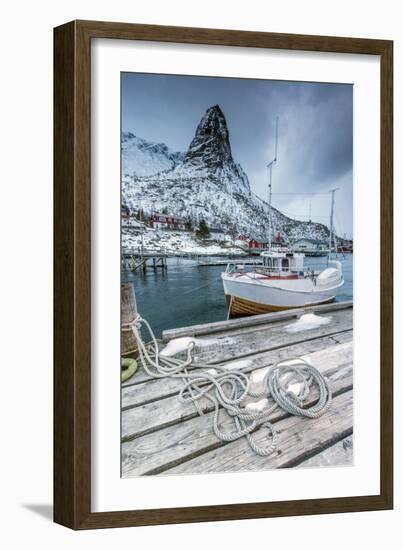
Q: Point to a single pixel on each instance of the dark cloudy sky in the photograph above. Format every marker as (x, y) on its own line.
(315, 147)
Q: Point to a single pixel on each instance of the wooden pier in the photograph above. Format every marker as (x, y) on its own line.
(162, 435)
(141, 259)
(240, 260)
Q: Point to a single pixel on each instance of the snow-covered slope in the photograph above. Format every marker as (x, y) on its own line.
(179, 242)
(205, 183)
(145, 158)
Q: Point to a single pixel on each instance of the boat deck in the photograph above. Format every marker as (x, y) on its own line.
(162, 435)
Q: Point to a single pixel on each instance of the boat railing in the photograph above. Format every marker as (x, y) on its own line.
(239, 267)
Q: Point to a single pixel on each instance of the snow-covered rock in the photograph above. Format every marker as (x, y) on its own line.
(205, 182)
(145, 158)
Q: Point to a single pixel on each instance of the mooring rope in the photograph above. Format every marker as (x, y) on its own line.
(227, 389)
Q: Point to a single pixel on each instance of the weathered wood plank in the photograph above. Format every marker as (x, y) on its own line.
(183, 439)
(298, 439)
(158, 451)
(226, 348)
(152, 390)
(243, 345)
(152, 416)
(210, 328)
(339, 454)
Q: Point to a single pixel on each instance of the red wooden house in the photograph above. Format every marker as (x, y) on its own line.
(167, 221)
(253, 243)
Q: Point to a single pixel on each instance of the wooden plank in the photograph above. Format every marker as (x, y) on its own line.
(171, 410)
(298, 439)
(244, 345)
(270, 337)
(159, 451)
(268, 327)
(211, 328)
(339, 454)
(177, 441)
(154, 389)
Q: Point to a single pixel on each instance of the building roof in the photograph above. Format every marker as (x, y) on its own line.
(160, 215)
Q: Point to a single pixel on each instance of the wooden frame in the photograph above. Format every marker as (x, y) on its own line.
(72, 320)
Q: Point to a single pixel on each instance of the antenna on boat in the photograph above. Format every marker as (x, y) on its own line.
(270, 174)
(331, 225)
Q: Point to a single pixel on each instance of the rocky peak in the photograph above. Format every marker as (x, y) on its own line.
(211, 144)
(210, 151)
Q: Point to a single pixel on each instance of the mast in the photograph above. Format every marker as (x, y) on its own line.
(332, 237)
(270, 174)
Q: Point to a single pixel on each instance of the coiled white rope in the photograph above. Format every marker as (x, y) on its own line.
(228, 389)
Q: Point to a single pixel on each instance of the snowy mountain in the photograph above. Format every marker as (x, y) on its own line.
(205, 182)
(145, 158)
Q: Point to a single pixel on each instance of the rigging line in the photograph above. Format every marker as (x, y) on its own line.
(338, 224)
(303, 215)
(311, 194)
(199, 287)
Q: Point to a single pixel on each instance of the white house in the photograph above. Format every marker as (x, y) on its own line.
(132, 223)
(309, 245)
(217, 234)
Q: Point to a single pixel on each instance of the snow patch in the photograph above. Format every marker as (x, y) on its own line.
(257, 376)
(175, 243)
(211, 372)
(295, 388)
(257, 406)
(177, 345)
(308, 321)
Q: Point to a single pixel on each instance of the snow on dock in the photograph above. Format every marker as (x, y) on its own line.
(162, 435)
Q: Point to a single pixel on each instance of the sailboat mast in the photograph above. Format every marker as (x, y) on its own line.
(270, 174)
(275, 150)
(270, 217)
(331, 225)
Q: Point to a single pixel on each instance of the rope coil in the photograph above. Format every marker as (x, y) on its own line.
(228, 389)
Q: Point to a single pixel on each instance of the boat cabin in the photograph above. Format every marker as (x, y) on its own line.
(283, 262)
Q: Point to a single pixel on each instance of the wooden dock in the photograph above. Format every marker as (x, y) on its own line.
(141, 259)
(207, 263)
(161, 435)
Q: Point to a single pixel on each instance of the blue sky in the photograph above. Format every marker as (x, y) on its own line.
(315, 147)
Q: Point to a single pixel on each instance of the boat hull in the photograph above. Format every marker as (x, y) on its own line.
(240, 307)
(252, 296)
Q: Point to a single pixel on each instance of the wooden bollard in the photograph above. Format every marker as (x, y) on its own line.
(128, 312)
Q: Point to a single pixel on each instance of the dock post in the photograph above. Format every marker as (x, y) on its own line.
(128, 312)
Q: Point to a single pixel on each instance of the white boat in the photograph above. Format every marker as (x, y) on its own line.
(281, 282)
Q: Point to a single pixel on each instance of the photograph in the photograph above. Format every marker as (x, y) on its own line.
(236, 274)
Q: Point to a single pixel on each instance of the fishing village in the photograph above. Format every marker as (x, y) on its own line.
(168, 431)
(236, 320)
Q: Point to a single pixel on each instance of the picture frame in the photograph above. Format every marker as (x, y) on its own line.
(73, 270)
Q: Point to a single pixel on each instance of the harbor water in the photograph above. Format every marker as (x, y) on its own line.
(186, 294)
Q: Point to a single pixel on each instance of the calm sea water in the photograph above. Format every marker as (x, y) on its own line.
(186, 294)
